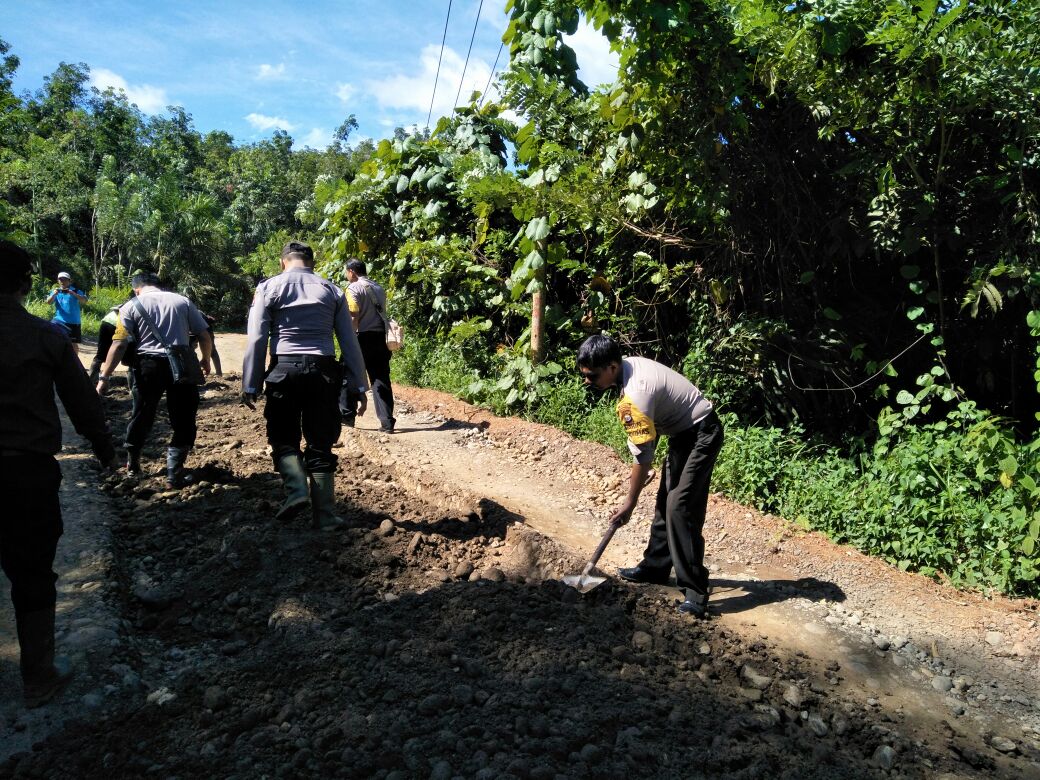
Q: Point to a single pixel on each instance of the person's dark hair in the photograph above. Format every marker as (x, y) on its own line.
(598, 351)
(297, 250)
(355, 265)
(145, 279)
(15, 269)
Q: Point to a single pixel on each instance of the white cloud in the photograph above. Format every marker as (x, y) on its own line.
(597, 64)
(151, 100)
(317, 138)
(413, 92)
(271, 72)
(345, 92)
(493, 15)
(517, 119)
(263, 122)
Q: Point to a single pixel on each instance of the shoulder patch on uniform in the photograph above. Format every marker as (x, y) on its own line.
(637, 425)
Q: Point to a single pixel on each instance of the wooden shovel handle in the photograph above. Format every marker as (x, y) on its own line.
(611, 529)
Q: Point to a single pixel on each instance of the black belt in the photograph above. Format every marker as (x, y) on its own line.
(304, 360)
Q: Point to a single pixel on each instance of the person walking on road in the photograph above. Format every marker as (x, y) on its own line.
(106, 331)
(367, 302)
(173, 319)
(67, 300)
(657, 401)
(214, 355)
(297, 312)
(37, 359)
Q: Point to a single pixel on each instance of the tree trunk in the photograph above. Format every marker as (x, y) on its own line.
(538, 313)
(98, 245)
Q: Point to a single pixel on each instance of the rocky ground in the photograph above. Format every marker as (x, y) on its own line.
(433, 638)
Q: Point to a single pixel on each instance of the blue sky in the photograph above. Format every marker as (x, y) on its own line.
(251, 67)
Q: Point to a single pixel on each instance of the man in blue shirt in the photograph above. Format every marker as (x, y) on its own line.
(66, 300)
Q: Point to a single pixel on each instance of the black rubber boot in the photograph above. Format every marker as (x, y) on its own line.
(176, 475)
(294, 479)
(133, 461)
(323, 502)
(43, 676)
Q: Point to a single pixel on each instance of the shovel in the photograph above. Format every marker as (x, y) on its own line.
(583, 583)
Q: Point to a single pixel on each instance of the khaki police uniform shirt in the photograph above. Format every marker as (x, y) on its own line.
(656, 401)
(367, 299)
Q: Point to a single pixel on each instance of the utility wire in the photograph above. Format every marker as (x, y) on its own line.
(440, 57)
(466, 63)
(493, 67)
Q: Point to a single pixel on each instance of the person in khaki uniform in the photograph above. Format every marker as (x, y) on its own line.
(657, 401)
(367, 301)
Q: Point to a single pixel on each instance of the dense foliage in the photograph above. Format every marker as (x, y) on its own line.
(825, 212)
(91, 185)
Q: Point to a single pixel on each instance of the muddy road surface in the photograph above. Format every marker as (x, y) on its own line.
(432, 638)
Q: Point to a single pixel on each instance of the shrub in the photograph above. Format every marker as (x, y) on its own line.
(954, 498)
(426, 363)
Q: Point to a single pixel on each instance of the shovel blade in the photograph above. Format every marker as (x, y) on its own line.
(583, 583)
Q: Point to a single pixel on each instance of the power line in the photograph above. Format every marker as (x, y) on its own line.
(466, 63)
(488, 86)
(440, 57)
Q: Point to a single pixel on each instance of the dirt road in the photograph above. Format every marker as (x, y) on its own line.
(433, 639)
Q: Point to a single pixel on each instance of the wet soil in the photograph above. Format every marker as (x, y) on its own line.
(431, 637)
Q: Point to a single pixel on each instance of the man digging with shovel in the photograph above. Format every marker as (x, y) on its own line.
(657, 401)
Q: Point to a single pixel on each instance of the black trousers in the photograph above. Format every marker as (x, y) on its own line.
(377, 364)
(30, 527)
(302, 394)
(75, 331)
(676, 538)
(151, 380)
(214, 356)
(104, 342)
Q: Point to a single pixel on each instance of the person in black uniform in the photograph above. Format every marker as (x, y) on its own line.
(297, 311)
(214, 356)
(37, 359)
